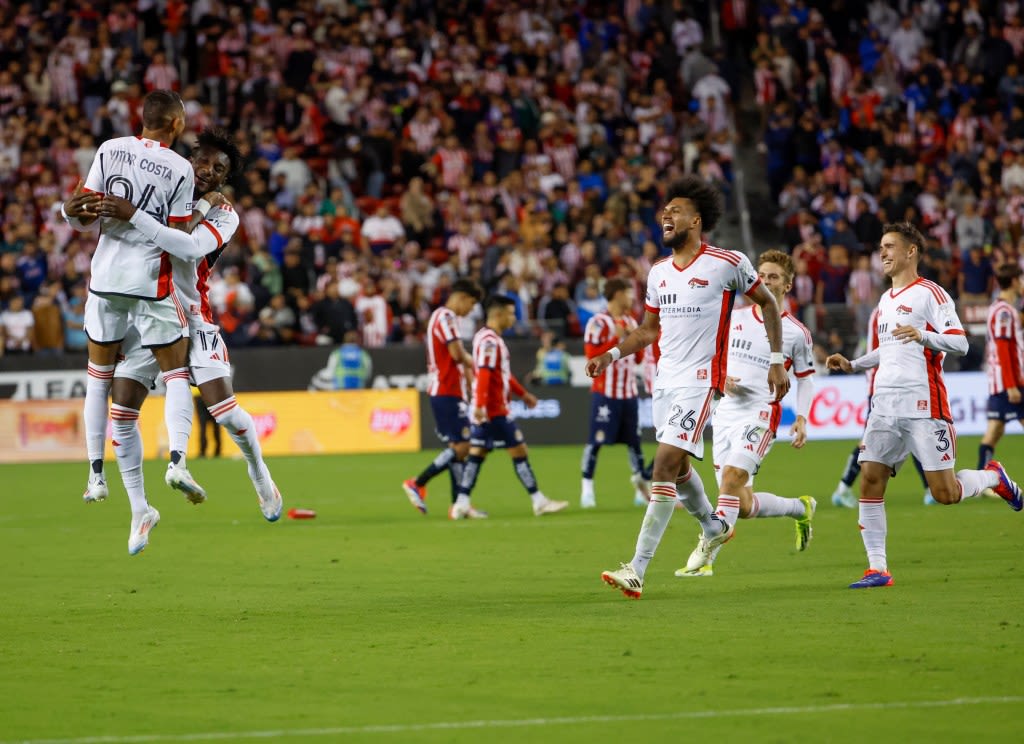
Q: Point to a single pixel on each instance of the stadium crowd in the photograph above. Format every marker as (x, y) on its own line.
(392, 147)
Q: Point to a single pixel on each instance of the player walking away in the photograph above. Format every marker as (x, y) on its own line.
(215, 158)
(917, 323)
(450, 368)
(492, 428)
(1004, 361)
(747, 419)
(614, 416)
(131, 276)
(843, 496)
(689, 300)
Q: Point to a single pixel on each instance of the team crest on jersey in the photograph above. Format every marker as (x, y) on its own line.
(763, 415)
(604, 413)
(904, 310)
(702, 374)
(599, 436)
(697, 282)
(922, 405)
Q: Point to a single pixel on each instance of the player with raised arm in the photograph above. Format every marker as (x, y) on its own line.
(1004, 361)
(131, 276)
(917, 324)
(450, 368)
(214, 159)
(492, 427)
(689, 299)
(614, 411)
(746, 421)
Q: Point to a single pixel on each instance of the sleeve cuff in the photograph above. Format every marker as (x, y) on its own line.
(651, 309)
(753, 286)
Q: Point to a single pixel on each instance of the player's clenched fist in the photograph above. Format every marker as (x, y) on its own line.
(838, 361)
(597, 365)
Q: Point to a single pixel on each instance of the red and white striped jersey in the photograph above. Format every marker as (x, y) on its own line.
(374, 319)
(750, 358)
(694, 303)
(619, 380)
(908, 382)
(1004, 350)
(445, 373)
(493, 381)
(156, 180)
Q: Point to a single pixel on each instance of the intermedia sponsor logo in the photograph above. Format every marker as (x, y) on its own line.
(393, 421)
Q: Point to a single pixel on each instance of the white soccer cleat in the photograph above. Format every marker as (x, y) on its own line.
(844, 497)
(625, 580)
(706, 551)
(142, 525)
(475, 513)
(96, 489)
(642, 489)
(547, 506)
(271, 502)
(588, 501)
(701, 573)
(180, 479)
(459, 510)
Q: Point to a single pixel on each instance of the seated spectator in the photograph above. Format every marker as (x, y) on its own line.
(17, 327)
(975, 281)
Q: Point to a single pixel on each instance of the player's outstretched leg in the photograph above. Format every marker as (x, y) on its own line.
(629, 578)
(416, 488)
(462, 507)
(178, 418)
(128, 448)
(242, 430)
(94, 417)
(873, 530)
(1005, 487)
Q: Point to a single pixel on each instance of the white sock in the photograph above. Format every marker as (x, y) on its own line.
(770, 505)
(973, 482)
(96, 407)
(178, 411)
(873, 529)
(128, 448)
(659, 512)
(538, 497)
(587, 488)
(728, 507)
(694, 499)
(241, 428)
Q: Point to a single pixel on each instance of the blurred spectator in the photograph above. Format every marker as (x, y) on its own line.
(17, 327)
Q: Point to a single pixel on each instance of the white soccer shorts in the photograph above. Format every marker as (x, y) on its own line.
(741, 442)
(889, 439)
(680, 416)
(208, 354)
(159, 322)
(138, 364)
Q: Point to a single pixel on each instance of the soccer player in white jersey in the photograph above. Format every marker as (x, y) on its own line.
(614, 411)
(1004, 361)
(215, 158)
(689, 299)
(131, 276)
(746, 421)
(917, 325)
(450, 368)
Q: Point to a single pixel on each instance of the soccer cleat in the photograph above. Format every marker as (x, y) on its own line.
(804, 531)
(180, 479)
(625, 580)
(588, 501)
(701, 573)
(873, 578)
(96, 489)
(417, 495)
(642, 488)
(547, 506)
(844, 497)
(1006, 489)
(271, 502)
(459, 510)
(705, 552)
(929, 500)
(142, 525)
(475, 513)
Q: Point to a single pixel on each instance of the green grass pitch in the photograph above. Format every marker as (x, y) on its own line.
(374, 623)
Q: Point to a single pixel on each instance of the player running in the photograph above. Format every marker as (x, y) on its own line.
(450, 368)
(1004, 361)
(614, 415)
(917, 324)
(215, 158)
(747, 419)
(689, 300)
(492, 427)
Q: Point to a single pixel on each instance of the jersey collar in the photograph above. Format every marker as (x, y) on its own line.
(698, 254)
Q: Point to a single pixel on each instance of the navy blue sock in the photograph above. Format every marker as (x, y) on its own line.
(525, 473)
(455, 470)
(470, 472)
(985, 454)
(441, 463)
(590, 460)
(852, 467)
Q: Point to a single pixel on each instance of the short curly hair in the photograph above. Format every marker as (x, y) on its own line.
(219, 139)
(707, 199)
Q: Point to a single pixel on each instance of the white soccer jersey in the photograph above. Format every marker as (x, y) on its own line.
(694, 304)
(191, 278)
(750, 358)
(159, 182)
(1004, 350)
(908, 383)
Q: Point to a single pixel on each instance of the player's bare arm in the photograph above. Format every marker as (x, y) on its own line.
(640, 338)
(82, 205)
(778, 378)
